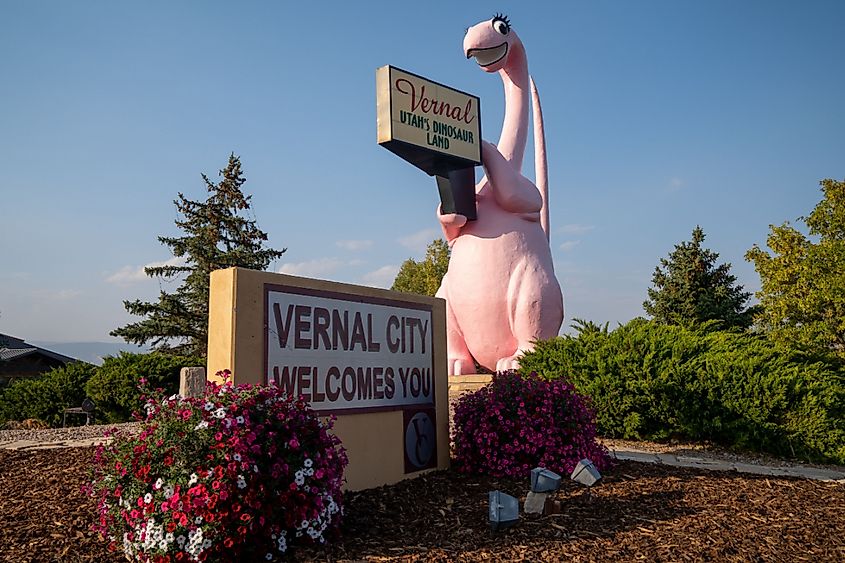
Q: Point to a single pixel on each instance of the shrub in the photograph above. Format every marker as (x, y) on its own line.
(650, 381)
(241, 474)
(45, 398)
(519, 422)
(115, 390)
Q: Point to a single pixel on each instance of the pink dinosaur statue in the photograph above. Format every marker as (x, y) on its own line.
(501, 292)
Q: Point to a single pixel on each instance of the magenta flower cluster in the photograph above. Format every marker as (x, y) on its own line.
(241, 474)
(518, 422)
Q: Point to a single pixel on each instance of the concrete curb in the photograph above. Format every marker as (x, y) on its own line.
(814, 473)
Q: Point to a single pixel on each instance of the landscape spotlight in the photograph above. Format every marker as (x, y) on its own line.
(544, 481)
(504, 510)
(586, 473)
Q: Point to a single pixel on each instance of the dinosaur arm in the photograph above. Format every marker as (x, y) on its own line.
(451, 223)
(512, 191)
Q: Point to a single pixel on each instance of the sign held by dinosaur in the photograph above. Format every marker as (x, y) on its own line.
(416, 113)
(434, 127)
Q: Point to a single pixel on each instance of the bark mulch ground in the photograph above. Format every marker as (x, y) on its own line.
(640, 511)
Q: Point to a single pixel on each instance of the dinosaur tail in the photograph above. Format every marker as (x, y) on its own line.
(541, 166)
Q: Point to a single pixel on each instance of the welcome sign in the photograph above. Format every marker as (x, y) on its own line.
(346, 354)
(374, 358)
(432, 126)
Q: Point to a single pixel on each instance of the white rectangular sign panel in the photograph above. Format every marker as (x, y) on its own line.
(348, 352)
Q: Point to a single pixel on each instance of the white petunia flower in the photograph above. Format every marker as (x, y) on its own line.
(209, 406)
(239, 420)
(158, 484)
(237, 457)
(241, 482)
(193, 479)
(307, 463)
(148, 498)
(201, 425)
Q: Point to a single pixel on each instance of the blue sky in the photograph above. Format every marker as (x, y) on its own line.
(660, 115)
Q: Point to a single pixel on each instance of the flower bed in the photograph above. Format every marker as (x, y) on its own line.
(244, 472)
(520, 421)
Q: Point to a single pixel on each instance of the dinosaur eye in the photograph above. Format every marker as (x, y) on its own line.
(501, 24)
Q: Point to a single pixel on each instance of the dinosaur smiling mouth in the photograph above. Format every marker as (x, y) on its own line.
(486, 57)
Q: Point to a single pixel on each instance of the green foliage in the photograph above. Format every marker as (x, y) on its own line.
(114, 388)
(424, 277)
(45, 398)
(689, 288)
(217, 235)
(653, 381)
(802, 296)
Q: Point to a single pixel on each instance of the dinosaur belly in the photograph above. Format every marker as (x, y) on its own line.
(501, 286)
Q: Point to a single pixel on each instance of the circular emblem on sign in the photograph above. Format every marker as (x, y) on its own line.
(420, 439)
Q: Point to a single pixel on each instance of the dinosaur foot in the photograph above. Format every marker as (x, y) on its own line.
(509, 363)
(461, 366)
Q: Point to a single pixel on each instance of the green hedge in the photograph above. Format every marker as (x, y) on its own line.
(46, 397)
(650, 381)
(114, 388)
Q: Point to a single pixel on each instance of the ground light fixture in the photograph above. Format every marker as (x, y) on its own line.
(544, 480)
(585, 473)
(504, 510)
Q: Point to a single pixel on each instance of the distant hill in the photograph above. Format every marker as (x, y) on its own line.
(91, 352)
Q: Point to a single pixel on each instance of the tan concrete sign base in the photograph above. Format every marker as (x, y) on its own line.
(374, 358)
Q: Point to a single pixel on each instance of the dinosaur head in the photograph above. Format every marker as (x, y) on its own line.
(491, 42)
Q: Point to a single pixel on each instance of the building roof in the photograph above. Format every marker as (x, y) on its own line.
(12, 348)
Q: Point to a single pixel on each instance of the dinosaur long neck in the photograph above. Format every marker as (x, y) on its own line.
(515, 126)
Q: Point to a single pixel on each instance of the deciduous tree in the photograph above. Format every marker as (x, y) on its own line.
(424, 277)
(802, 295)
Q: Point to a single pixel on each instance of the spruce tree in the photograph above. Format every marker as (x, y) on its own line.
(217, 234)
(690, 288)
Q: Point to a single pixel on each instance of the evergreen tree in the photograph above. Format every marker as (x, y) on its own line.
(690, 288)
(802, 298)
(216, 235)
(424, 277)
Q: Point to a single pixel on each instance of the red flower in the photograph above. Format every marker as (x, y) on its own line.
(274, 427)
